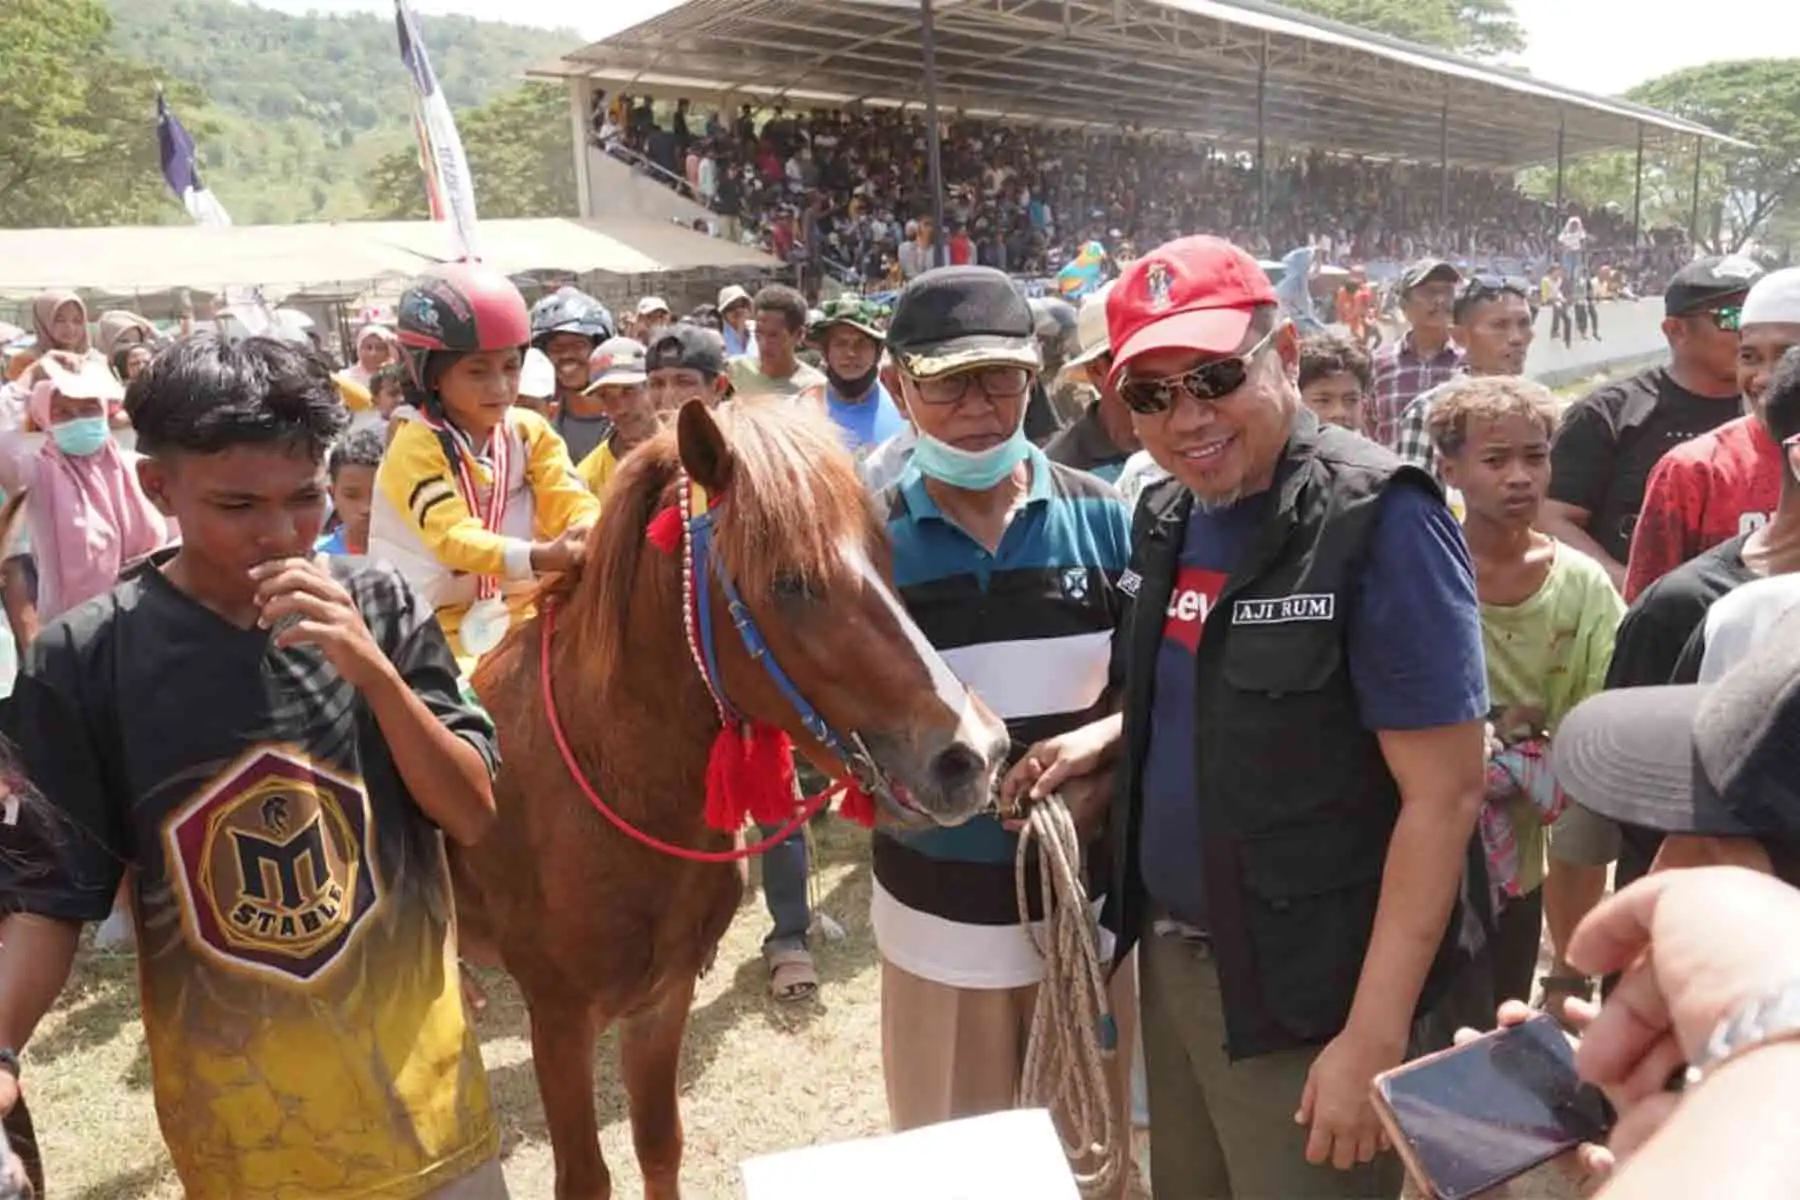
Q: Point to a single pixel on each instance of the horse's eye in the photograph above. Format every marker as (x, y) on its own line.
(792, 587)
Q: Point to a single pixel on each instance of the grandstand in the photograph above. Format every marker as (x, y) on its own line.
(1241, 75)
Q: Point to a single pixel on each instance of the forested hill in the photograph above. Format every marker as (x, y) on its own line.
(303, 106)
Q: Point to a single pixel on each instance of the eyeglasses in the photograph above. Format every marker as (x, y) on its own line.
(1209, 382)
(997, 383)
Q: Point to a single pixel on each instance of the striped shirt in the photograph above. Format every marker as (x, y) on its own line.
(1029, 629)
(1402, 376)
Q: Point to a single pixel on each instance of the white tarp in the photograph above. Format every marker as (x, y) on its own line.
(341, 259)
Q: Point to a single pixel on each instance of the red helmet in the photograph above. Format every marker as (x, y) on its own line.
(460, 308)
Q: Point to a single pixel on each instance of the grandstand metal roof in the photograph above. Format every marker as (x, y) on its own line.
(1176, 65)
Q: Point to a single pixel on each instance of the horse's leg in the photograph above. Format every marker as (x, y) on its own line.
(649, 1059)
(562, 1051)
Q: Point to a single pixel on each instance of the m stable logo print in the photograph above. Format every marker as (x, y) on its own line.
(271, 862)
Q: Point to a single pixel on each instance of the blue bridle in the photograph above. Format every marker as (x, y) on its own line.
(851, 750)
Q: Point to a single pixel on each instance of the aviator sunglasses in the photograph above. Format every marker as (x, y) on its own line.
(1210, 381)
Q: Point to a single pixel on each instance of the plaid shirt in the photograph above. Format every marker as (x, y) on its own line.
(1401, 377)
(1412, 440)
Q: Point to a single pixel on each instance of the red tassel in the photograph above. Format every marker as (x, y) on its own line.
(664, 530)
(856, 805)
(750, 772)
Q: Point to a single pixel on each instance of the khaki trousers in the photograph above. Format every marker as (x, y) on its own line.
(1223, 1130)
(950, 1052)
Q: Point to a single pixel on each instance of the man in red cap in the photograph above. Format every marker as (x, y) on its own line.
(1304, 697)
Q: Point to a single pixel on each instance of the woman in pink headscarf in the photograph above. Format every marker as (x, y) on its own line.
(60, 320)
(375, 348)
(85, 512)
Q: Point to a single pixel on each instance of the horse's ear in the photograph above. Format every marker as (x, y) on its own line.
(705, 455)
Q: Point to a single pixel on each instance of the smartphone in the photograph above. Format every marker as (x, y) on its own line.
(1472, 1117)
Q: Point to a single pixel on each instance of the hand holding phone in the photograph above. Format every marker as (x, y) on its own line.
(1467, 1119)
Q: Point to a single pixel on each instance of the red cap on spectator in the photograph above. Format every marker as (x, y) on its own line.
(1195, 293)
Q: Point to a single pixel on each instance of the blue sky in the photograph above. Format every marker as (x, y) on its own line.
(1596, 45)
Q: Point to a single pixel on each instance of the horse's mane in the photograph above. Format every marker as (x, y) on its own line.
(794, 500)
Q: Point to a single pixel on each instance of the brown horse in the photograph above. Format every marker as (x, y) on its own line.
(597, 927)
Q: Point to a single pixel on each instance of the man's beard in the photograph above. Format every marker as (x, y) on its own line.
(1217, 503)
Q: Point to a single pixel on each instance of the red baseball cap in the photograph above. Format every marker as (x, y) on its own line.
(1194, 293)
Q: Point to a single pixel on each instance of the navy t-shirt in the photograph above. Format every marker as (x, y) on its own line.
(1414, 651)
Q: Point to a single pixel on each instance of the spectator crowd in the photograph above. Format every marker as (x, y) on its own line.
(847, 192)
(1319, 835)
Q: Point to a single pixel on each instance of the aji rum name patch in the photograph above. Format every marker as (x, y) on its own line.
(1280, 610)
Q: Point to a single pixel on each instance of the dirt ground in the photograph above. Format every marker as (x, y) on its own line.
(756, 1076)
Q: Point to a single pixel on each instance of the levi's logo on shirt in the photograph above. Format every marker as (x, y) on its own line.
(1196, 591)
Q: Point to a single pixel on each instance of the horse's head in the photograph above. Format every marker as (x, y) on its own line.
(800, 542)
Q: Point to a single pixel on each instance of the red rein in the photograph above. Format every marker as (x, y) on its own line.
(801, 816)
(749, 772)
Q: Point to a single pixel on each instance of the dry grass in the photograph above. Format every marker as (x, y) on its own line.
(756, 1076)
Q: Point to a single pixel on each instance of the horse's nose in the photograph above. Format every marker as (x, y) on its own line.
(957, 767)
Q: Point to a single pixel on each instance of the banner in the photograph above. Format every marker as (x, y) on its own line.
(447, 180)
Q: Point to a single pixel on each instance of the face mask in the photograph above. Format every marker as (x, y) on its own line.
(81, 437)
(971, 470)
(845, 388)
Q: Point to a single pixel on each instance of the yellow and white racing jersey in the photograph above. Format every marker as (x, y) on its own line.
(422, 524)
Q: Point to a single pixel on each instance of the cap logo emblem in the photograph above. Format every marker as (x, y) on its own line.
(1159, 283)
(422, 312)
(1737, 267)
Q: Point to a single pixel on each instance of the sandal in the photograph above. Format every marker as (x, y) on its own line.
(791, 976)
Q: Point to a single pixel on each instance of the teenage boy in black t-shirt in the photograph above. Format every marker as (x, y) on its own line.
(274, 744)
(1610, 438)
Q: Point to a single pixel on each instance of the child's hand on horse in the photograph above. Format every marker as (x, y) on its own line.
(566, 553)
(300, 600)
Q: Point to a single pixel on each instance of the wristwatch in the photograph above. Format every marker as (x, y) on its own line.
(1771, 1017)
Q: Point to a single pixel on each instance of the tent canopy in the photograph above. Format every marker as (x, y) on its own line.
(342, 260)
(1187, 66)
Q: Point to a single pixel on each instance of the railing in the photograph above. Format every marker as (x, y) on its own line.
(638, 161)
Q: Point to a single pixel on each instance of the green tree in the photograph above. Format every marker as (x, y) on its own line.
(1484, 28)
(77, 121)
(1757, 101)
(1745, 195)
(520, 155)
(305, 106)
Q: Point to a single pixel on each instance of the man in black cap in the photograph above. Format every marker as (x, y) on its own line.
(1610, 438)
(686, 362)
(1010, 564)
(1713, 767)
(1421, 358)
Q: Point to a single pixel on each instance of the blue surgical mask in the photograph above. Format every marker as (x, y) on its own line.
(81, 437)
(971, 470)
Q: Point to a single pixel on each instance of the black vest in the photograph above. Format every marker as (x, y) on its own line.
(1296, 801)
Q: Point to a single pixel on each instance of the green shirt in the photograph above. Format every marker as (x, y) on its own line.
(747, 378)
(1549, 653)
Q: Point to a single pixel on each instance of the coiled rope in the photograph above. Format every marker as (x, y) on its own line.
(1074, 1037)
